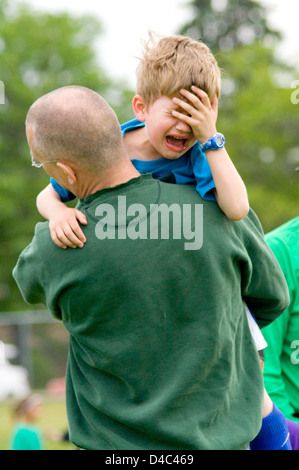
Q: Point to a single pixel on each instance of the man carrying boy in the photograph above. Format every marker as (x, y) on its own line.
(161, 355)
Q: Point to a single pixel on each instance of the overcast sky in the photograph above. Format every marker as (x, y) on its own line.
(126, 23)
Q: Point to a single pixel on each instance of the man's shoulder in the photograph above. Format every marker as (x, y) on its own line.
(178, 191)
(42, 230)
(42, 239)
(185, 194)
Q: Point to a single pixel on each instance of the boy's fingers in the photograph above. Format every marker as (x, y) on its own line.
(76, 233)
(81, 217)
(185, 106)
(68, 238)
(66, 231)
(195, 99)
(201, 97)
(201, 94)
(57, 241)
(75, 228)
(193, 103)
(183, 117)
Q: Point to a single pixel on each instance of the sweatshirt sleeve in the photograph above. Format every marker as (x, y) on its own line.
(264, 288)
(28, 276)
(32, 271)
(33, 275)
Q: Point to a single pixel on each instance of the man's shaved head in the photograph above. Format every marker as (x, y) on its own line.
(75, 124)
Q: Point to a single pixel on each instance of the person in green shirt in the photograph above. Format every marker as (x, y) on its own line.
(281, 357)
(27, 435)
(161, 356)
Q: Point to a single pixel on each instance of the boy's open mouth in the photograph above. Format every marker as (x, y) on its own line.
(176, 143)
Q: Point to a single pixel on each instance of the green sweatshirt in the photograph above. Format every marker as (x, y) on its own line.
(282, 354)
(161, 355)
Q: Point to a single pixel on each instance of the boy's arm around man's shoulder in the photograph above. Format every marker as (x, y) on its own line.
(264, 287)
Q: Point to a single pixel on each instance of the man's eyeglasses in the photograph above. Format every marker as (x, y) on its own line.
(38, 164)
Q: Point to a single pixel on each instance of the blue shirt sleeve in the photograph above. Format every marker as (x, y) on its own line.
(202, 173)
(64, 194)
(194, 168)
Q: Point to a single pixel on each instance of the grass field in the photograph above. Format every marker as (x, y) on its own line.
(53, 418)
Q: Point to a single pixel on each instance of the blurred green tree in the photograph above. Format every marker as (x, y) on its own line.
(226, 24)
(39, 52)
(261, 125)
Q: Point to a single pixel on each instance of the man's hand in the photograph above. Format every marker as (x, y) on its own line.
(65, 229)
(199, 113)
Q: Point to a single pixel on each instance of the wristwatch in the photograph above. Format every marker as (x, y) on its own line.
(216, 142)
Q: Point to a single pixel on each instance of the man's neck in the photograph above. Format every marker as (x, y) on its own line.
(93, 183)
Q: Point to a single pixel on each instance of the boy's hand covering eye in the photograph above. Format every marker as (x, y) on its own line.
(200, 113)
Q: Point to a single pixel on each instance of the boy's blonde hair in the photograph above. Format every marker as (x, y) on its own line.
(175, 62)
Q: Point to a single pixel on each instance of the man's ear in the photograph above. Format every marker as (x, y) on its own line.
(139, 107)
(69, 172)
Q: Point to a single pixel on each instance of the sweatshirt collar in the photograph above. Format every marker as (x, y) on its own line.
(115, 189)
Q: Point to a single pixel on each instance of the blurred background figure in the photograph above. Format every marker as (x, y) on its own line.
(27, 435)
(281, 370)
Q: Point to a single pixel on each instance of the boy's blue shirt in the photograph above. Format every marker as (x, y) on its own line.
(191, 168)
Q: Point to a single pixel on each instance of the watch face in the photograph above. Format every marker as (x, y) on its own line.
(219, 140)
(214, 143)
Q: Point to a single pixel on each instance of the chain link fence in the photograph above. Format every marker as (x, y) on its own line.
(35, 341)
